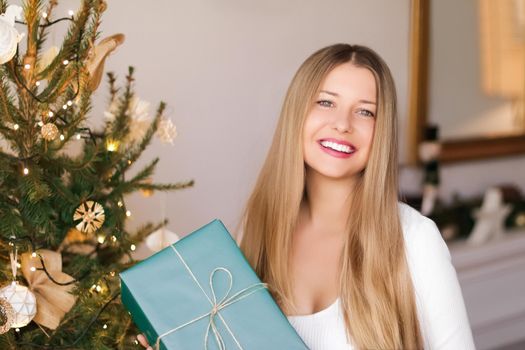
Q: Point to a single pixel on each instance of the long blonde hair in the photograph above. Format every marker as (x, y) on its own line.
(376, 290)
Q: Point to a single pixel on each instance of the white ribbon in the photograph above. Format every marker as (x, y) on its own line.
(216, 306)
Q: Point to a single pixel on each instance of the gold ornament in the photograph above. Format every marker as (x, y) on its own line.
(78, 243)
(53, 300)
(49, 131)
(91, 215)
(7, 315)
(147, 192)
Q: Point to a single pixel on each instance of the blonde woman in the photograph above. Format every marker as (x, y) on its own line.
(350, 265)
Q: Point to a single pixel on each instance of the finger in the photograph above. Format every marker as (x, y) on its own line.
(142, 340)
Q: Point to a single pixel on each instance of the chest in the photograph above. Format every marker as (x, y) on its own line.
(315, 265)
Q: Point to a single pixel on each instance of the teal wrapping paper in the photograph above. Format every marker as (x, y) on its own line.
(201, 293)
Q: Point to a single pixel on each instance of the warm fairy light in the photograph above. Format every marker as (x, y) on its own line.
(37, 83)
(17, 329)
(62, 137)
(128, 213)
(132, 247)
(18, 265)
(98, 288)
(16, 126)
(112, 145)
(120, 204)
(65, 62)
(64, 106)
(101, 239)
(70, 13)
(27, 66)
(33, 255)
(79, 136)
(50, 114)
(113, 239)
(33, 269)
(129, 161)
(40, 123)
(105, 326)
(69, 103)
(44, 14)
(112, 273)
(26, 171)
(135, 341)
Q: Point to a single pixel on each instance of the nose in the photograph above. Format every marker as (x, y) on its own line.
(342, 123)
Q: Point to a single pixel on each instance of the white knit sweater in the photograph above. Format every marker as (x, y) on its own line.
(441, 309)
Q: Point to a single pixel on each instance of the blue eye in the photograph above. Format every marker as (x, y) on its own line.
(325, 103)
(366, 113)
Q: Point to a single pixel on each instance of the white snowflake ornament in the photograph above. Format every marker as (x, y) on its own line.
(167, 131)
(23, 302)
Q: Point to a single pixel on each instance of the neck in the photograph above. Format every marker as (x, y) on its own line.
(327, 201)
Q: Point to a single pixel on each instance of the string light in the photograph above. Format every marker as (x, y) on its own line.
(132, 247)
(113, 238)
(18, 265)
(17, 329)
(16, 126)
(50, 113)
(101, 239)
(98, 288)
(33, 269)
(105, 326)
(71, 13)
(40, 123)
(65, 62)
(26, 171)
(33, 255)
(135, 341)
(120, 204)
(129, 161)
(69, 103)
(64, 106)
(112, 273)
(27, 66)
(79, 136)
(112, 145)
(37, 83)
(62, 137)
(128, 213)
(44, 14)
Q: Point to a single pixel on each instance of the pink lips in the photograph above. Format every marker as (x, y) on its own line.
(335, 153)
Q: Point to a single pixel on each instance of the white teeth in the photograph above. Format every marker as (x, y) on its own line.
(337, 147)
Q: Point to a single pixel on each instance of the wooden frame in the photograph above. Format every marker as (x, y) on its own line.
(452, 151)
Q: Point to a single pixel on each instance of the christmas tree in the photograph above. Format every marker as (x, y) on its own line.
(63, 238)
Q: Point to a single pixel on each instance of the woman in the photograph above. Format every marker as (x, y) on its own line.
(350, 266)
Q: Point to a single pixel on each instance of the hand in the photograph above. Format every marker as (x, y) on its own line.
(144, 342)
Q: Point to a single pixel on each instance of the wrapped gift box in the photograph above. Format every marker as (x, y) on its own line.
(201, 293)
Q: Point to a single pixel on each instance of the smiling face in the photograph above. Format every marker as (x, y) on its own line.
(338, 130)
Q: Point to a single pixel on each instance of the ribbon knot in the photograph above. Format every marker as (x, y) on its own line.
(216, 306)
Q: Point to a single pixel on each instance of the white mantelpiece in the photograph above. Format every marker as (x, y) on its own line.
(492, 278)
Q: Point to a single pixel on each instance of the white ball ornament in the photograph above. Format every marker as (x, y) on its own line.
(160, 239)
(23, 302)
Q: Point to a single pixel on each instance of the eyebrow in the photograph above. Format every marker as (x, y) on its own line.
(337, 95)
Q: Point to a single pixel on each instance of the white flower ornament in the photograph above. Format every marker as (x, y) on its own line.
(9, 36)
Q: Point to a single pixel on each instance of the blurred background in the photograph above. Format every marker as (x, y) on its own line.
(223, 67)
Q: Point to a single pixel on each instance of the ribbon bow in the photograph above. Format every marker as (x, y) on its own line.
(53, 300)
(216, 306)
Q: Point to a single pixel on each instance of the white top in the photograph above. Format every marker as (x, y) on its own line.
(441, 310)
